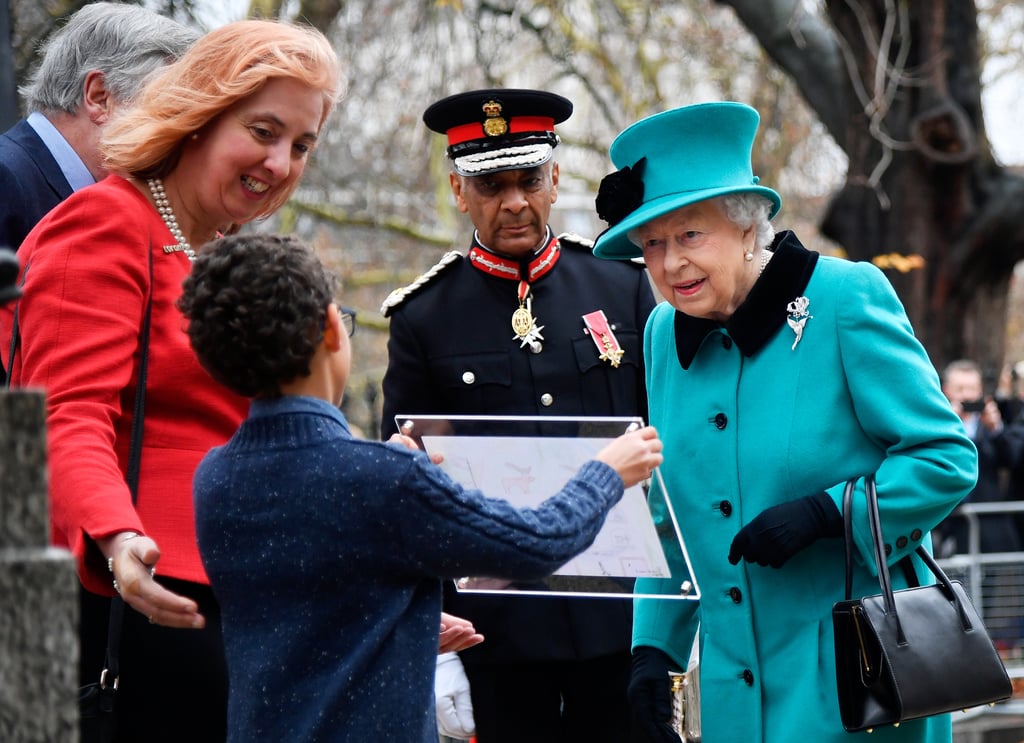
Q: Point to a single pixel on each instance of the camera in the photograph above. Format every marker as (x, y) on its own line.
(973, 406)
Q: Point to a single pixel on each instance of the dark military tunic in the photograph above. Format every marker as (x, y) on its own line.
(452, 351)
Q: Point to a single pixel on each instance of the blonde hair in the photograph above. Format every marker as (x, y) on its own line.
(225, 66)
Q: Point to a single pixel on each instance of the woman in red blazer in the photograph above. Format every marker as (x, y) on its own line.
(216, 140)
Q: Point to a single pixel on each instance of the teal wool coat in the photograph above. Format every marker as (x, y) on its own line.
(751, 419)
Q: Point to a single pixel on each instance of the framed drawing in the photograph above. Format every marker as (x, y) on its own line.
(527, 459)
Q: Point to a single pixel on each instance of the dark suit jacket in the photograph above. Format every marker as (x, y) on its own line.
(457, 328)
(31, 183)
(996, 452)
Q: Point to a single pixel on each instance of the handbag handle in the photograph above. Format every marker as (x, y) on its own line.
(112, 660)
(875, 523)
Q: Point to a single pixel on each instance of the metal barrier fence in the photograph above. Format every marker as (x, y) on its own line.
(995, 583)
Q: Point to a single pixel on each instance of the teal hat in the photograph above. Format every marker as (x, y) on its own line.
(673, 159)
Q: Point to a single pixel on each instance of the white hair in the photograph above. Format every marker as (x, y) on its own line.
(744, 209)
(747, 209)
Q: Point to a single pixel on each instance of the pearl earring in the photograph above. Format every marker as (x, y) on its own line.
(748, 256)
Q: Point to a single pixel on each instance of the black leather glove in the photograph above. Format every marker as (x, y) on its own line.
(650, 697)
(779, 532)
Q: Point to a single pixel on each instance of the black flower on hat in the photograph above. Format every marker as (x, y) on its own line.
(621, 193)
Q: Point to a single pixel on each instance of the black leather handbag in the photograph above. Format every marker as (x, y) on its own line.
(903, 655)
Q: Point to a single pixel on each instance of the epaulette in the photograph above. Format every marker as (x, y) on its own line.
(571, 238)
(399, 295)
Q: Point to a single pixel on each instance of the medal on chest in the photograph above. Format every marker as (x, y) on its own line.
(527, 332)
(524, 324)
(598, 328)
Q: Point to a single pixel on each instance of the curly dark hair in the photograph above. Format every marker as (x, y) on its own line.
(255, 306)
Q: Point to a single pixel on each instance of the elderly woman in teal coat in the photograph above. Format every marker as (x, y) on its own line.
(774, 375)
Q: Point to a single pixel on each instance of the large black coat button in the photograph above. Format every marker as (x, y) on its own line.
(726, 508)
(736, 595)
(721, 421)
(748, 676)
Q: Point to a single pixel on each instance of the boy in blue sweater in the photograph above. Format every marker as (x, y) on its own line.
(326, 552)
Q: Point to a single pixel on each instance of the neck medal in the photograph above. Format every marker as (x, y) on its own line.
(600, 331)
(527, 332)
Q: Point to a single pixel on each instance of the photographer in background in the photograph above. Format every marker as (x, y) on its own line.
(1000, 446)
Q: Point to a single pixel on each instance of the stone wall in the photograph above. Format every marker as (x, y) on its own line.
(38, 589)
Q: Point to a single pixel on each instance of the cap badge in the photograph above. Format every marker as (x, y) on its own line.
(494, 125)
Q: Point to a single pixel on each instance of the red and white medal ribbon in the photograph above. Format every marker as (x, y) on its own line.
(600, 331)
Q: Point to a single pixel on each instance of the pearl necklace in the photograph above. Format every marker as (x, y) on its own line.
(163, 207)
(766, 255)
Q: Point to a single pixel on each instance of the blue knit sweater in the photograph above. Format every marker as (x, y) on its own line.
(326, 554)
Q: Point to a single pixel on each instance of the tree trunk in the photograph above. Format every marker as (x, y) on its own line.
(922, 179)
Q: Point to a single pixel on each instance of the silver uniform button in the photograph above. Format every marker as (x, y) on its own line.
(468, 377)
(546, 400)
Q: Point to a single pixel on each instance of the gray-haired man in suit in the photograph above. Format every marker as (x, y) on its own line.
(91, 66)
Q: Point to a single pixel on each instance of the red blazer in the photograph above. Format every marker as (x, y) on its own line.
(85, 294)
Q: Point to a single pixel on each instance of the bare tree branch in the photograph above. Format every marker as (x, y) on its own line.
(806, 48)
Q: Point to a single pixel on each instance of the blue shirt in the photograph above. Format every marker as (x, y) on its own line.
(71, 165)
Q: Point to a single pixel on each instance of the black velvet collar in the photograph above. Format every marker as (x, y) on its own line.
(763, 312)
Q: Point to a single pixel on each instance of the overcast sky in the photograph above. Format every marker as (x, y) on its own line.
(1004, 117)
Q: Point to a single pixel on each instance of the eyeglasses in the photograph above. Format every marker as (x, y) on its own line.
(348, 320)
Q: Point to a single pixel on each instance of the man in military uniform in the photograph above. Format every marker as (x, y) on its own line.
(525, 323)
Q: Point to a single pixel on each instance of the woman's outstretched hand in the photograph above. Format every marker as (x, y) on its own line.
(132, 560)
